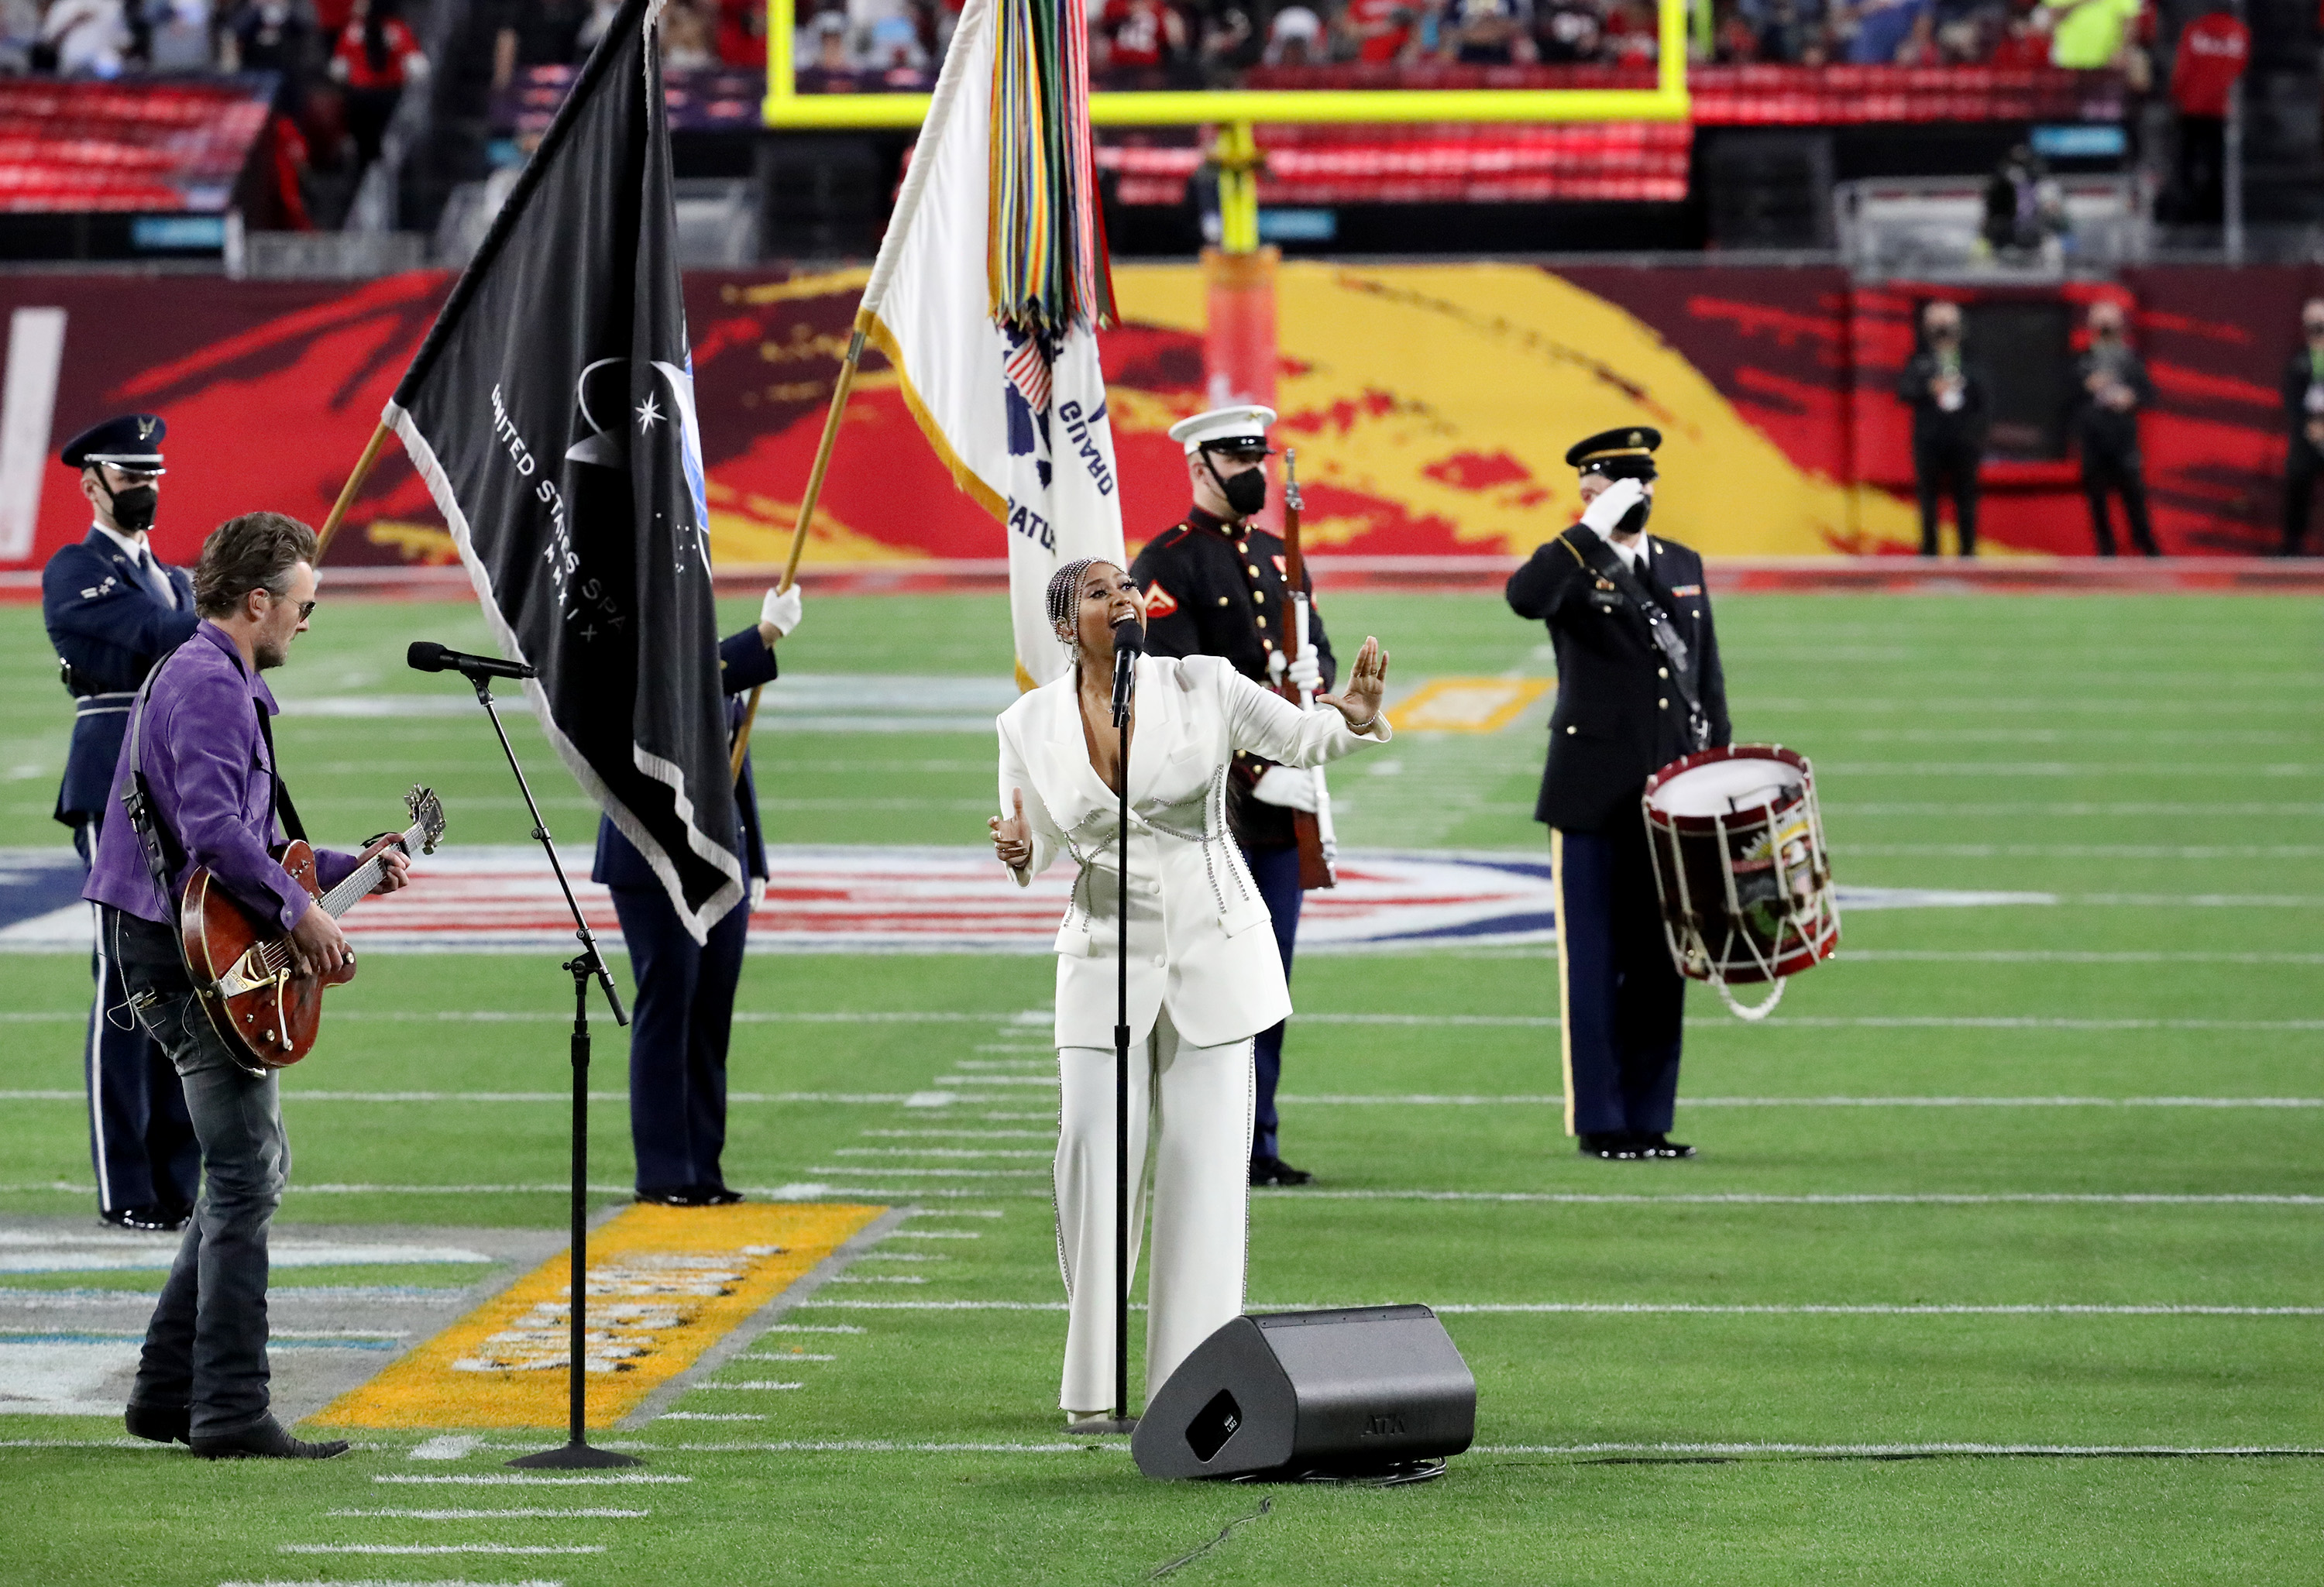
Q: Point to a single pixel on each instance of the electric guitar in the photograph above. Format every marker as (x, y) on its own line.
(243, 971)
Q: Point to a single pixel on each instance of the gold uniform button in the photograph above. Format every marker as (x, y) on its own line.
(1252, 568)
(1258, 596)
(1662, 673)
(1223, 600)
(1573, 730)
(1662, 705)
(1263, 619)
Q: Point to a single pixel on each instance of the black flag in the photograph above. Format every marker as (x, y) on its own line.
(551, 412)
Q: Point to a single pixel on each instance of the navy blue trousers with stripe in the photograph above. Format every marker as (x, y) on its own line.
(141, 1141)
(1621, 1002)
(1277, 872)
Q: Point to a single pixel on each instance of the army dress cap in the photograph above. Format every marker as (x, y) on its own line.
(132, 441)
(1624, 453)
(1241, 428)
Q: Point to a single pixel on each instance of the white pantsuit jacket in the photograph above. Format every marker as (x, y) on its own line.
(1199, 937)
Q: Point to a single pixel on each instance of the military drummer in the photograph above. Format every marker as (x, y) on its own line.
(1638, 684)
(114, 610)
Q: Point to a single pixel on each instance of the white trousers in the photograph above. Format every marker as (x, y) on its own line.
(1195, 1105)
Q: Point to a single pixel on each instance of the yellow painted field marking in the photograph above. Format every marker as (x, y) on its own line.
(665, 1285)
(1468, 704)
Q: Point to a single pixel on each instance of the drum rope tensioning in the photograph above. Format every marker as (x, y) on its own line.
(1741, 869)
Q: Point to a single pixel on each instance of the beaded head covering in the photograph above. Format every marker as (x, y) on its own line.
(1064, 597)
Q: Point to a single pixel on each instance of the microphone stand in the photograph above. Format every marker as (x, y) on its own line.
(1125, 685)
(576, 1454)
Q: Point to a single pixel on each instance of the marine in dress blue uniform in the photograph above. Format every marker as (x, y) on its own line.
(1214, 586)
(1621, 716)
(684, 990)
(113, 612)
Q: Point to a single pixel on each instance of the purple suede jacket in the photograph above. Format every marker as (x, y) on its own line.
(206, 766)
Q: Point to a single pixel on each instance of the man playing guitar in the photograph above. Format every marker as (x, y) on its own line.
(200, 755)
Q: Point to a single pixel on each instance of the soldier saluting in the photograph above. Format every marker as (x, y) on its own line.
(1638, 684)
(1215, 585)
(113, 612)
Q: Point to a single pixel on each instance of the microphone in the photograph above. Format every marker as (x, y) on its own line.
(1128, 643)
(427, 656)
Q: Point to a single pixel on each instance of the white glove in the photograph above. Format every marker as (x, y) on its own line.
(781, 609)
(1287, 786)
(1602, 514)
(1307, 672)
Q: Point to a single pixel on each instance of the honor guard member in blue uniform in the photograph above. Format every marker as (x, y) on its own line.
(1214, 586)
(1638, 684)
(683, 990)
(113, 612)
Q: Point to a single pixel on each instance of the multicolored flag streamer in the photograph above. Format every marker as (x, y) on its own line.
(1044, 258)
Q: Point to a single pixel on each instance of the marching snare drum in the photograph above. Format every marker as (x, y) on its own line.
(1741, 868)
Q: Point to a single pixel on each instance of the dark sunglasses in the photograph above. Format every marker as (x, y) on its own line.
(306, 608)
(2314, 327)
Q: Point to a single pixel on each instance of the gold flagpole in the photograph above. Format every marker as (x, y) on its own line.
(806, 510)
(347, 494)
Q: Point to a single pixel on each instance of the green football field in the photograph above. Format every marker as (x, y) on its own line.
(2001, 1261)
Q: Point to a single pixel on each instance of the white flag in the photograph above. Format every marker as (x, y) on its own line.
(1024, 430)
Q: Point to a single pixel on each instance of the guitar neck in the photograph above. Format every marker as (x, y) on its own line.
(364, 877)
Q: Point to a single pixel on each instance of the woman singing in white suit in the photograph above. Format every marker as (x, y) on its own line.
(1204, 975)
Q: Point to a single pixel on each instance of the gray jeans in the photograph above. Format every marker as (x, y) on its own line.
(205, 1347)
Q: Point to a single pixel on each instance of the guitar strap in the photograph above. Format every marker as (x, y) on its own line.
(285, 810)
(153, 839)
(1601, 558)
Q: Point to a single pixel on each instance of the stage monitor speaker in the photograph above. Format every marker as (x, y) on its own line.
(1365, 1390)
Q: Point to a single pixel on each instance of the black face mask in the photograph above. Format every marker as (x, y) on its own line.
(1246, 493)
(133, 507)
(1636, 518)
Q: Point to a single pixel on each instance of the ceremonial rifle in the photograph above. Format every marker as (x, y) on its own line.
(1319, 845)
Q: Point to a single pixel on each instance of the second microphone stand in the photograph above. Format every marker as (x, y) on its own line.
(577, 1452)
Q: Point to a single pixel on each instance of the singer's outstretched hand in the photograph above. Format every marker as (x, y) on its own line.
(1013, 839)
(1360, 702)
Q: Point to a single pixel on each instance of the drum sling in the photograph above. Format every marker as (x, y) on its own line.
(1601, 558)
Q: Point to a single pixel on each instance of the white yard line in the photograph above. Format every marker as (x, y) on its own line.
(1876, 1450)
(438, 1549)
(1648, 1307)
(2064, 956)
(376, 1581)
(757, 1384)
(1552, 1100)
(496, 1515)
(930, 1151)
(529, 1479)
(1834, 1199)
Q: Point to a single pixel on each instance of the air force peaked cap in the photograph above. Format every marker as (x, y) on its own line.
(1239, 428)
(132, 441)
(1627, 452)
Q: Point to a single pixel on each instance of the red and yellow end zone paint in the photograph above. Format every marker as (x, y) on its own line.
(665, 1283)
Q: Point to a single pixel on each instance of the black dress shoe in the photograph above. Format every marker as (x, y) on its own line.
(1661, 1148)
(1275, 1171)
(1613, 1146)
(715, 1196)
(158, 1424)
(670, 1196)
(148, 1220)
(266, 1441)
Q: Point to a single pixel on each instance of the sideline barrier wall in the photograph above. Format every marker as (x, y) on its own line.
(1431, 405)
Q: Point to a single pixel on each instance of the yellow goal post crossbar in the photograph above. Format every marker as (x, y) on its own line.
(786, 108)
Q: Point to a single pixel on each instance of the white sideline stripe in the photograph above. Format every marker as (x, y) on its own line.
(930, 1151)
(2062, 957)
(528, 1479)
(876, 1447)
(412, 1548)
(1428, 1100)
(1894, 1449)
(758, 1383)
(709, 1416)
(1741, 1198)
(945, 1173)
(496, 1515)
(376, 1581)
(1623, 1308)
(1418, 1099)
(785, 1356)
(809, 1328)
(2083, 851)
